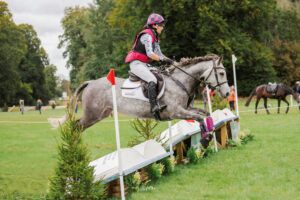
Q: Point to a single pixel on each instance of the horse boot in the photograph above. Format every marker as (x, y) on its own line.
(152, 94)
(206, 137)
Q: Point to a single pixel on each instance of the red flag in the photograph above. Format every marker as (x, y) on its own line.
(190, 120)
(111, 77)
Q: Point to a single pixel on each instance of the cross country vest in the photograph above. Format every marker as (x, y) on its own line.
(138, 51)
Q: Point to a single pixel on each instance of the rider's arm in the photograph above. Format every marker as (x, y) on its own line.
(146, 39)
(158, 52)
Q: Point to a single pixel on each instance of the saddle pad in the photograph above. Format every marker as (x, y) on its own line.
(134, 90)
(131, 85)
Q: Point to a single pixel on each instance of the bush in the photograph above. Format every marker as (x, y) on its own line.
(145, 128)
(155, 171)
(232, 143)
(218, 103)
(169, 164)
(133, 181)
(194, 155)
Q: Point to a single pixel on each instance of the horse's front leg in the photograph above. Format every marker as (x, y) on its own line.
(266, 105)
(181, 113)
(288, 105)
(199, 111)
(256, 104)
(278, 108)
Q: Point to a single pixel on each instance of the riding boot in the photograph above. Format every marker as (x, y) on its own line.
(152, 94)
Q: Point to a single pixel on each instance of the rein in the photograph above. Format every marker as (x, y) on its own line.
(198, 82)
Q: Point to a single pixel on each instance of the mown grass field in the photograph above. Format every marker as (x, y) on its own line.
(266, 168)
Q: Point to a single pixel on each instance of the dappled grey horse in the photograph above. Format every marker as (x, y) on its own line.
(180, 86)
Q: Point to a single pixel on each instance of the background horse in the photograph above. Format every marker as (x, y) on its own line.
(281, 93)
(180, 85)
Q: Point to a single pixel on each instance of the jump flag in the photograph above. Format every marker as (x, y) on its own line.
(111, 78)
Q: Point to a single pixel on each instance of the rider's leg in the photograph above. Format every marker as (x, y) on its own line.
(141, 70)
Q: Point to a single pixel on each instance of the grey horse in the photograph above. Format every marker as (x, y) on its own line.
(180, 85)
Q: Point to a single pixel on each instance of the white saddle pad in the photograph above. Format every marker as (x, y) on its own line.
(134, 90)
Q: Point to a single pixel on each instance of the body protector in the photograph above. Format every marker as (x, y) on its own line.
(138, 51)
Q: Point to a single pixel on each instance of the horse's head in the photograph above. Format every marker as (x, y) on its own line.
(215, 77)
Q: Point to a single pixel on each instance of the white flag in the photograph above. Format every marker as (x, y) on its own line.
(234, 59)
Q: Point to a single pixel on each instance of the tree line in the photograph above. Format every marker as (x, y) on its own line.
(265, 39)
(25, 70)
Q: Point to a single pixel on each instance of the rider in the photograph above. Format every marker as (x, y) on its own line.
(145, 50)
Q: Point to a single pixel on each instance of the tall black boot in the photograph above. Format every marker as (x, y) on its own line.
(152, 94)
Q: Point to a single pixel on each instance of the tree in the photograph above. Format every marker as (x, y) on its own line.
(51, 80)
(12, 50)
(74, 24)
(31, 67)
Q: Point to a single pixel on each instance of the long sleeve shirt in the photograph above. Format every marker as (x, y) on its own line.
(146, 40)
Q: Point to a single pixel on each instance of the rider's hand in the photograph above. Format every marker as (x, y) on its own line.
(168, 60)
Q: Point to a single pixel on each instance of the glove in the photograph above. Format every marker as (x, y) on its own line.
(168, 61)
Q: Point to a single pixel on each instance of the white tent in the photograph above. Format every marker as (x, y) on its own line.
(137, 157)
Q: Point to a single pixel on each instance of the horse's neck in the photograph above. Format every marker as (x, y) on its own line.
(195, 70)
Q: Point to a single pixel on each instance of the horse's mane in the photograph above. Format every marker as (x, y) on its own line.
(188, 61)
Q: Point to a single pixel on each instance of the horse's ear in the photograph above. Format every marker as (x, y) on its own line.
(220, 60)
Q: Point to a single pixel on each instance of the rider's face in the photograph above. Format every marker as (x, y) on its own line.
(159, 28)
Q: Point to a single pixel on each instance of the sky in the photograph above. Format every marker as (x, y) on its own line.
(45, 17)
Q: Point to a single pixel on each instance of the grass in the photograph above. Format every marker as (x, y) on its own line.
(266, 168)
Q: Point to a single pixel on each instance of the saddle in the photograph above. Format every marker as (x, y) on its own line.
(272, 88)
(136, 88)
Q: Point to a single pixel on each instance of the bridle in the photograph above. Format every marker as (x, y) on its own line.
(214, 68)
(199, 81)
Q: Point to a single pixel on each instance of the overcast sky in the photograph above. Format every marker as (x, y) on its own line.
(45, 16)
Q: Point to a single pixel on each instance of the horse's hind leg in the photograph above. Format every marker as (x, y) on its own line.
(90, 118)
(278, 108)
(256, 104)
(266, 105)
(288, 105)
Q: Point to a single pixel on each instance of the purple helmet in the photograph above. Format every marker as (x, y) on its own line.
(155, 19)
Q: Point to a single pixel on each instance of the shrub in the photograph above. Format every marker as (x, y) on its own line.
(194, 155)
(169, 164)
(232, 143)
(133, 181)
(145, 128)
(245, 136)
(219, 103)
(155, 171)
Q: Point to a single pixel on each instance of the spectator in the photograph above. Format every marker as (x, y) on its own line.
(231, 98)
(21, 103)
(39, 105)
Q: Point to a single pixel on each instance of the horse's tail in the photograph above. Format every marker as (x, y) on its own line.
(250, 97)
(56, 122)
(78, 91)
